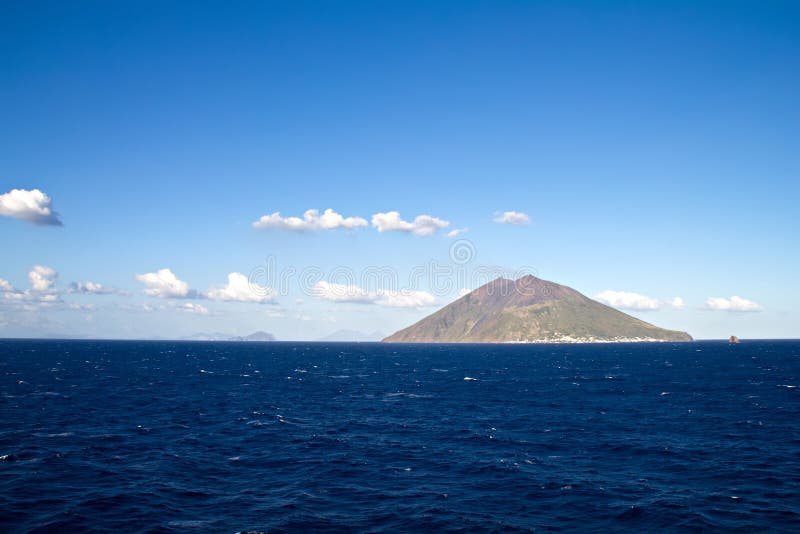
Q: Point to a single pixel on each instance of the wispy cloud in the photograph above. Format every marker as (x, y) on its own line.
(184, 307)
(733, 304)
(457, 232)
(192, 307)
(421, 225)
(312, 220)
(145, 307)
(32, 296)
(382, 297)
(32, 206)
(512, 217)
(82, 307)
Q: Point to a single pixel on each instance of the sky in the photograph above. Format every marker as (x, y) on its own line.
(158, 162)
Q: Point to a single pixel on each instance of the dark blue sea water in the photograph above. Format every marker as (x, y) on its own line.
(223, 437)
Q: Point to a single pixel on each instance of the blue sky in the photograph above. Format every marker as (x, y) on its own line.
(654, 148)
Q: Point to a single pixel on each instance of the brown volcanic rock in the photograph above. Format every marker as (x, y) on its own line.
(530, 310)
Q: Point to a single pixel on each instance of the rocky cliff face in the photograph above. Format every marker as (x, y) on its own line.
(530, 310)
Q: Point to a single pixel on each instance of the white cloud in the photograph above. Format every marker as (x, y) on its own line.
(32, 296)
(238, 289)
(82, 307)
(627, 300)
(383, 297)
(677, 303)
(422, 224)
(42, 278)
(311, 220)
(92, 288)
(32, 206)
(185, 307)
(457, 232)
(342, 293)
(405, 299)
(41, 294)
(733, 304)
(149, 308)
(191, 307)
(513, 217)
(276, 313)
(164, 284)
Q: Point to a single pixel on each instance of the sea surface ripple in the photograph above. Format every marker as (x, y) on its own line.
(283, 437)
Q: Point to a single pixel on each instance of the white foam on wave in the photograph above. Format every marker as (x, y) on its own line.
(470, 379)
(403, 394)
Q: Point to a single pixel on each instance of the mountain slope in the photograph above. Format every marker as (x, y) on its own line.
(255, 336)
(530, 310)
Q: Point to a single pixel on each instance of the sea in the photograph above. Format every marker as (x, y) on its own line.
(161, 436)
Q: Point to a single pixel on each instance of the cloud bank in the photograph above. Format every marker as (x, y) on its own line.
(32, 206)
(733, 304)
(389, 221)
(312, 220)
(42, 291)
(421, 225)
(627, 300)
